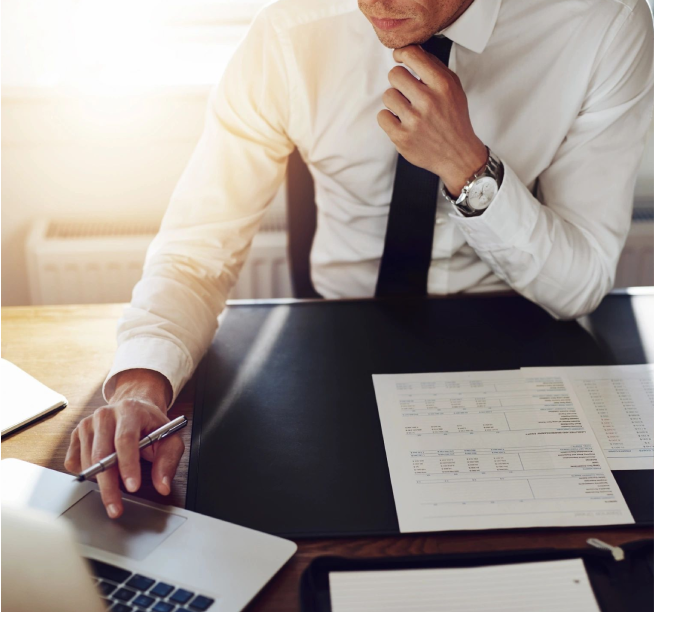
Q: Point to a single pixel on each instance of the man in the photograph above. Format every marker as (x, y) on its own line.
(410, 198)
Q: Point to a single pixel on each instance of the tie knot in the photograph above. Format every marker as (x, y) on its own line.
(438, 46)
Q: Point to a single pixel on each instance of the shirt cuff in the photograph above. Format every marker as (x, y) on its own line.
(510, 216)
(156, 354)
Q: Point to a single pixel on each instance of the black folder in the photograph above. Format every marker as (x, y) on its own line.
(286, 436)
(618, 586)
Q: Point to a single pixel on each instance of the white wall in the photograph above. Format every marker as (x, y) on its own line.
(88, 156)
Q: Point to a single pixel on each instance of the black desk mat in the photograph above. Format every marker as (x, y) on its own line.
(286, 436)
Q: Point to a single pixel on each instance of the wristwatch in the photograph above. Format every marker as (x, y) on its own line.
(480, 189)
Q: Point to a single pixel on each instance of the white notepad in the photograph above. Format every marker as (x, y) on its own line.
(558, 586)
(24, 399)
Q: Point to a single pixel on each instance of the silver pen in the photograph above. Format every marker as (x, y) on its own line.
(156, 435)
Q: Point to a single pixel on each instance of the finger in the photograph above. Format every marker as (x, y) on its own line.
(86, 437)
(388, 122)
(72, 460)
(396, 102)
(165, 464)
(102, 446)
(401, 79)
(427, 67)
(127, 436)
(148, 453)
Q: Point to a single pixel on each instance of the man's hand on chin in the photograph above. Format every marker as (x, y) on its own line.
(428, 119)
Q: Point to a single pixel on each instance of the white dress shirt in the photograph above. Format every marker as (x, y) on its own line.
(561, 91)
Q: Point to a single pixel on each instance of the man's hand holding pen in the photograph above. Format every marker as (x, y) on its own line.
(138, 407)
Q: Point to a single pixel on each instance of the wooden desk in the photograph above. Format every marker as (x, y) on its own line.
(71, 348)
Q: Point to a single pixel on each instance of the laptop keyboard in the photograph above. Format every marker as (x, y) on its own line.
(124, 591)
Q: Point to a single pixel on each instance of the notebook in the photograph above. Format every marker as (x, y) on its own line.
(594, 577)
(24, 399)
(547, 586)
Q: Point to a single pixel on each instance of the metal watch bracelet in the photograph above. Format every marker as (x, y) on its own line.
(492, 168)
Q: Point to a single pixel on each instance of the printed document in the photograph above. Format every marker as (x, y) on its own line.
(493, 449)
(619, 404)
(558, 586)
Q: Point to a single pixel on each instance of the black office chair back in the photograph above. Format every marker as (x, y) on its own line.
(301, 221)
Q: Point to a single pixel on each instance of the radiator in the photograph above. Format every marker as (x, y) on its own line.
(73, 261)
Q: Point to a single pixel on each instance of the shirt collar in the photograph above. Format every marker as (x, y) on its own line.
(474, 27)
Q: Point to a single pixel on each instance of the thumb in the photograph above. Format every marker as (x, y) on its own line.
(165, 462)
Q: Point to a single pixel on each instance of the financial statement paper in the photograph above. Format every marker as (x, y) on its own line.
(619, 403)
(493, 449)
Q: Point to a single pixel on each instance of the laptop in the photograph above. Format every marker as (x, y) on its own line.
(42, 570)
(153, 558)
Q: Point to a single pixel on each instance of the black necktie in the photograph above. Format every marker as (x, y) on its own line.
(404, 267)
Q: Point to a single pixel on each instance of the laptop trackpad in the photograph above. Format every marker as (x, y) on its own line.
(138, 532)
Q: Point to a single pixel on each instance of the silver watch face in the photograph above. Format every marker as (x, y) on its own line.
(482, 193)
